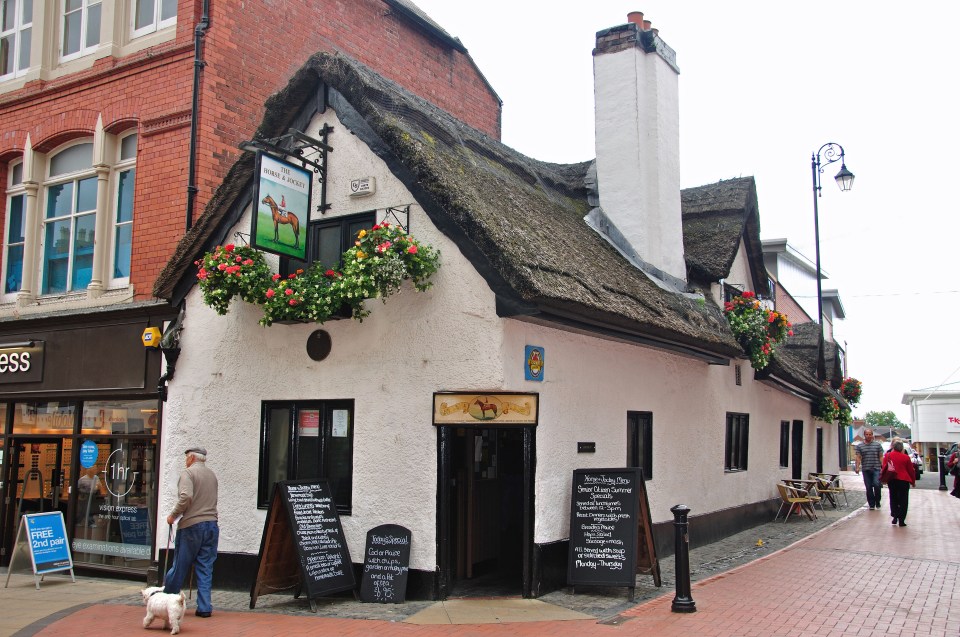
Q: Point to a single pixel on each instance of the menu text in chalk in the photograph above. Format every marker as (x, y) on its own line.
(386, 563)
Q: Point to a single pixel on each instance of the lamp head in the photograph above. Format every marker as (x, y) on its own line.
(844, 178)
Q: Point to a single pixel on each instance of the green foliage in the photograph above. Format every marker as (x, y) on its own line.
(380, 261)
(828, 409)
(884, 420)
(850, 389)
(758, 329)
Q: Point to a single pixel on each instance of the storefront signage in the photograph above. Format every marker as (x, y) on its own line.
(88, 454)
(386, 563)
(303, 545)
(281, 207)
(45, 535)
(21, 362)
(953, 423)
(485, 409)
(533, 363)
(609, 528)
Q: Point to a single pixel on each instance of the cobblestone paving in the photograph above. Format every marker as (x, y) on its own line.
(604, 603)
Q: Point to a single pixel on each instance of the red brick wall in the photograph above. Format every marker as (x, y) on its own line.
(251, 50)
(786, 304)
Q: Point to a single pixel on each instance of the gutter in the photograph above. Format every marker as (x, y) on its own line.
(198, 64)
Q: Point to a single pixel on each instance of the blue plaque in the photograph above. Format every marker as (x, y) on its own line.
(88, 454)
(533, 362)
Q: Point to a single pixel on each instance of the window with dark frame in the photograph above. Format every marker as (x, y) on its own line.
(300, 440)
(784, 443)
(640, 441)
(328, 239)
(738, 433)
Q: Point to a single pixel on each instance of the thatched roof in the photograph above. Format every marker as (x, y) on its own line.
(518, 220)
(795, 361)
(715, 218)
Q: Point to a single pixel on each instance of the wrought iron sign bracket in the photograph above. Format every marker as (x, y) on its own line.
(307, 150)
(400, 214)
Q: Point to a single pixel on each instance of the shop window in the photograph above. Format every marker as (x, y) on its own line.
(16, 28)
(329, 239)
(16, 224)
(148, 16)
(44, 417)
(304, 440)
(640, 441)
(735, 449)
(80, 28)
(784, 443)
(119, 417)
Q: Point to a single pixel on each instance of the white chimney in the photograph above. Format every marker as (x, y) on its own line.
(638, 147)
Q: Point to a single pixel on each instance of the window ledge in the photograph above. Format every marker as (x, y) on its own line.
(66, 302)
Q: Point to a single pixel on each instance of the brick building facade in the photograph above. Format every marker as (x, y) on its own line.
(96, 121)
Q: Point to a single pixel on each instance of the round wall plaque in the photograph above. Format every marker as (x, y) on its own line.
(318, 345)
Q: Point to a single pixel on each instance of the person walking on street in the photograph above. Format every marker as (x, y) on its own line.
(952, 463)
(198, 532)
(869, 454)
(903, 477)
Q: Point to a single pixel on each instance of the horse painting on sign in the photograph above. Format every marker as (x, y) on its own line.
(283, 217)
(484, 405)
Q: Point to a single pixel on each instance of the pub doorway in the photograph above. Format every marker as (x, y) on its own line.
(485, 515)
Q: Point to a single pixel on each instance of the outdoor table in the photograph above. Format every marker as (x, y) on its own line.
(826, 482)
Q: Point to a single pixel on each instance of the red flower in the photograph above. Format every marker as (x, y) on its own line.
(248, 262)
(790, 333)
(202, 274)
(222, 267)
(772, 317)
(275, 277)
(728, 307)
(229, 247)
(330, 273)
(747, 295)
(288, 291)
(270, 293)
(376, 227)
(293, 301)
(383, 247)
(412, 249)
(291, 276)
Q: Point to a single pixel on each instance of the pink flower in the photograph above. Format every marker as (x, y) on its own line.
(383, 247)
(275, 277)
(270, 293)
(222, 267)
(790, 333)
(293, 301)
(412, 249)
(239, 259)
(248, 262)
(202, 274)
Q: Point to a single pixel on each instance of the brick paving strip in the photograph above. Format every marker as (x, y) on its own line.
(827, 585)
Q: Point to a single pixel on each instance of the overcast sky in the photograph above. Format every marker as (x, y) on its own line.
(762, 86)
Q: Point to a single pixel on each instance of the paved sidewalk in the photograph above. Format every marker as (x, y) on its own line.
(827, 584)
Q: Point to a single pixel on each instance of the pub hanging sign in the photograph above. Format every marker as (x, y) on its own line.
(281, 207)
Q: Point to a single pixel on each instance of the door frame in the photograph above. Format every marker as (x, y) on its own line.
(445, 488)
(8, 529)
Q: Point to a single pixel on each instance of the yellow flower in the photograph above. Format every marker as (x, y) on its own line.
(361, 234)
(360, 254)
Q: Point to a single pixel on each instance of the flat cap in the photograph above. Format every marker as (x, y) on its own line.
(199, 450)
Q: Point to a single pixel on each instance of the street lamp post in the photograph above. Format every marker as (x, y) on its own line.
(831, 153)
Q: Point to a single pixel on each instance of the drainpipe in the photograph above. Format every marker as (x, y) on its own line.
(198, 65)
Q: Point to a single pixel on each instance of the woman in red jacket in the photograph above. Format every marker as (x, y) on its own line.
(901, 479)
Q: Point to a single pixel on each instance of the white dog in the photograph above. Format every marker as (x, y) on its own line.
(169, 607)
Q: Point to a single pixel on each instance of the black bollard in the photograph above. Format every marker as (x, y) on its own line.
(943, 473)
(682, 602)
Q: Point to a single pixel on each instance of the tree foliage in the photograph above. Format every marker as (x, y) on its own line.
(884, 420)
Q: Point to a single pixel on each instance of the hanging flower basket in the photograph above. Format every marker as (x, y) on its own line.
(757, 329)
(828, 409)
(380, 261)
(850, 389)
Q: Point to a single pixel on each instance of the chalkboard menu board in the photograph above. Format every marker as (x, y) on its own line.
(386, 562)
(303, 530)
(604, 510)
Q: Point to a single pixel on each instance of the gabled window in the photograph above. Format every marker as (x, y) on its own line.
(13, 249)
(70, 219)
(80, 28)
(330, 238)
(735, 449)
(147, 16)
(126, 171)
(16, 27)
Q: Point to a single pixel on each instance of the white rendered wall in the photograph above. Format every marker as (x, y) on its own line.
(446, 338)
(638, 153)
(931, 418)
(449, 338)
(590, 384)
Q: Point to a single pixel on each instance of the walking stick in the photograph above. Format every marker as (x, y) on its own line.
(166, 555)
